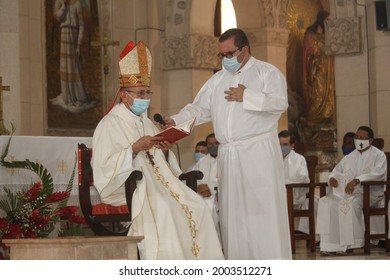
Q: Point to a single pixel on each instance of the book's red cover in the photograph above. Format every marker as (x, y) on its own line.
(173, 134)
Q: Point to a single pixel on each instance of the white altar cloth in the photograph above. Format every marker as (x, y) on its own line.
(56, 154)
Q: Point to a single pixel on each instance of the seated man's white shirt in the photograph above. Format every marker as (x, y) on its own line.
(295, 171)
(208, 166)
(340, 220)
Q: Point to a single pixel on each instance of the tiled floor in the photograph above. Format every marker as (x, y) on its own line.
(302, 253)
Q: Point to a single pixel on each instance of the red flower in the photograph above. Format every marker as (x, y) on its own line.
(33, 192)
(39, 222)
(57, 197)
(15, 231)
(67, 211)
(77, 220)
(35, 213)
(47, 219)
(29, 233)
(3, 223)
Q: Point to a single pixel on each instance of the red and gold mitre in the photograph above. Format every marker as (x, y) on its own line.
(135, 65)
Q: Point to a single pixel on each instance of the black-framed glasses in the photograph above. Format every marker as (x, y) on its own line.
(141, 93)
(228, 54)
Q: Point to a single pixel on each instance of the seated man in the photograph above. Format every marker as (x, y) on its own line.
(207, 185)
(295, 171)
(174, 221)
(340, 221)
(295, 168)
(200, 151)
(348, 143)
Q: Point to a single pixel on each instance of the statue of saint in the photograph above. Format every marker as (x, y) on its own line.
(74, 96)
(319, 102)
(318, 75)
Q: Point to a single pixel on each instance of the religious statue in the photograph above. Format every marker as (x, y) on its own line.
(318, 120)
(74, 96)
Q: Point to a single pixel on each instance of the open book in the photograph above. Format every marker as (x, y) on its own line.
(175, 133)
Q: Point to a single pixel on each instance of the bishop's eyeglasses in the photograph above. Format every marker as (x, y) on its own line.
(145, 94)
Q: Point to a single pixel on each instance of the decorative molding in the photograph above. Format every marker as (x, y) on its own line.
(269, 37)
(275, 13)
(343, 36)
(178, 13)
(345, 8)
(191, 51)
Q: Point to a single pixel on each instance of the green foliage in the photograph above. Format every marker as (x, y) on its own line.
(72, 229)
(34, 212)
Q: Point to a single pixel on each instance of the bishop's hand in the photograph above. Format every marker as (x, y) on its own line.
(145, 143)
(168, 123)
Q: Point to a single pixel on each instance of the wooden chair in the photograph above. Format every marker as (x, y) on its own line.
(102, 218)
(378, 143)
(311, 162)
(369, 211)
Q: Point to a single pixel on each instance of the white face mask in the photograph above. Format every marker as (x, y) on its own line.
(361, 144)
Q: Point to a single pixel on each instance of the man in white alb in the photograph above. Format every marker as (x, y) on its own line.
(295, 168)
(340, 222)
(207, 185)
(295, 171)
(244, 101)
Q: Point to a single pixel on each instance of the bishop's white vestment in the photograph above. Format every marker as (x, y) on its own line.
(173, 219)
(251, 186)
(340, 222)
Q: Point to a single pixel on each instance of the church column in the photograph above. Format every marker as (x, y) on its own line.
(10, 64)
(270, 45)
(188, 60)
(379, 82)
(269, 42)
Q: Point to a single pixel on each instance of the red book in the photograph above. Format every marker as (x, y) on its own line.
(175, 133)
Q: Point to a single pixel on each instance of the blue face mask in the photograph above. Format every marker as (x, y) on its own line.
(139, 105)
(231, 64)
(213, 150)
(285, 150)
(198, 156)
(347, 150)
